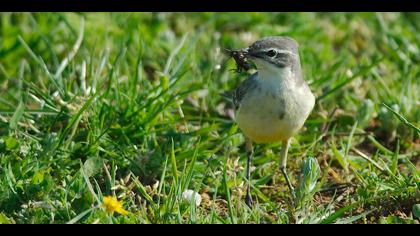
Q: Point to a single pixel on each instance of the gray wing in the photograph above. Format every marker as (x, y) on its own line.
(239, 93)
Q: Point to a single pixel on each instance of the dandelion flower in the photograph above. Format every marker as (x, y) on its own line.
(111, 205)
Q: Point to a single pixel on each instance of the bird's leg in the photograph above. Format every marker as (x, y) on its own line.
(283, 163)
(250, 154)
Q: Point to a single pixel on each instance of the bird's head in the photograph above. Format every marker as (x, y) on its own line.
(277, 51)
(274, 52)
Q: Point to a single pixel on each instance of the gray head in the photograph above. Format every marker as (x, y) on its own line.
(279, 51)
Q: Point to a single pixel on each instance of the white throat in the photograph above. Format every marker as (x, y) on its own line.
(273, 75)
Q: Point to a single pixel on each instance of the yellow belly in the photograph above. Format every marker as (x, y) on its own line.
(264, 130)
(260, 120)
(257, 137)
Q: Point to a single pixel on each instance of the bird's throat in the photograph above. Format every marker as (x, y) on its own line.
(275, 77)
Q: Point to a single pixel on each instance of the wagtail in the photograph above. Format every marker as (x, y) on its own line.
(273, 103)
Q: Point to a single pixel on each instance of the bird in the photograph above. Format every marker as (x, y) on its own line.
(273, 103)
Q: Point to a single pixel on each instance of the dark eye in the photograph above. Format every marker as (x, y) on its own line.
(271, 53)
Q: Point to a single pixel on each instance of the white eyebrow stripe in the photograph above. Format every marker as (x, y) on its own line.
(282, 51)
(286, 51)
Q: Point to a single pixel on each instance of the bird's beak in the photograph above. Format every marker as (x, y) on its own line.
(255, 55)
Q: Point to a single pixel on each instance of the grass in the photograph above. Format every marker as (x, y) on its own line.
(101, 104)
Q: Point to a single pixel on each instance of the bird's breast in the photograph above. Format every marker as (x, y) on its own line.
(273, 113)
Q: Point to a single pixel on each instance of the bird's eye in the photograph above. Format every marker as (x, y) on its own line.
(271, 53)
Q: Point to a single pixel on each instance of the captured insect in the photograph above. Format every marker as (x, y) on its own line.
(242, 63)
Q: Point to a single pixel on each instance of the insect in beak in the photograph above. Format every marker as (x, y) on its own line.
(240, 56)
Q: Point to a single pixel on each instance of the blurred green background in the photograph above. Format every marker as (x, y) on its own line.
(96, 104)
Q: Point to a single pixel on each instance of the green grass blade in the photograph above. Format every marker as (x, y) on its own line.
(402, 118)
(17, 116)
(89, 185)
(80, 216)
(228, 198)
(330, 219)
(173, 163)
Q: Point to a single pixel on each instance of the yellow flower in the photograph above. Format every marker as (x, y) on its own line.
(111, 204)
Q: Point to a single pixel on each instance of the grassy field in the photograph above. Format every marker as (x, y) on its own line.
(128, 105)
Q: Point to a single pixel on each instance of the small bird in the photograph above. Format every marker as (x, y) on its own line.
(273, 103)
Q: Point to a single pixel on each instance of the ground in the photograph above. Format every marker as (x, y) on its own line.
(95, 105)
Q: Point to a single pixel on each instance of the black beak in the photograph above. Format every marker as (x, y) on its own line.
(255, 55)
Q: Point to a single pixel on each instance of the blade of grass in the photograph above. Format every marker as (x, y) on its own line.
(352, 219)
(349, 139)
(402, 118)
(17, 116)
(173, 163)
(74, 50)
(364, 156)
(74, 119)
(228, 198)
(80, 216)
(173, 54)
(142, 191)
(41, 63)
(330, 219)
(89, 185)
(190, 171)
(394, 161)
(379, 145)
